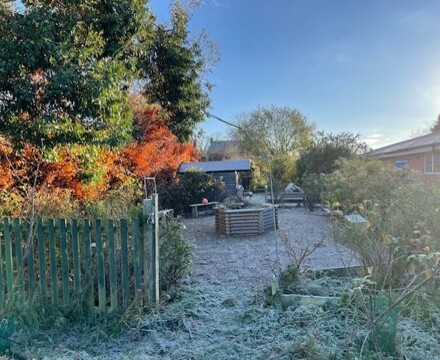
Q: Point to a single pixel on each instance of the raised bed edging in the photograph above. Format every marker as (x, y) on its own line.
(245, 221)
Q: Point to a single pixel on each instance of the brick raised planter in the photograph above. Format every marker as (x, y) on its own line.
(245, 221)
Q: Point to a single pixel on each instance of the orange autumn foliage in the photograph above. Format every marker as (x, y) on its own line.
(157, 152)
(18, 171)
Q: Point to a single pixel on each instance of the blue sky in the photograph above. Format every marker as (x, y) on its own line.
(365, 66)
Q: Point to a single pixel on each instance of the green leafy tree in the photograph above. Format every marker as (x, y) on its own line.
(65, 67)
(174, 73)
(321, 156)
(277, 135)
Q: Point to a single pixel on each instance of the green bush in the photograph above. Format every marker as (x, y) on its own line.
(175, 254)
(120, 203)
(190, 188)
(402, 213)
(314, 186)
(363, 179)
(398, 247)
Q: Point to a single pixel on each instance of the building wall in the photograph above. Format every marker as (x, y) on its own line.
(231, 180)
(415, 162)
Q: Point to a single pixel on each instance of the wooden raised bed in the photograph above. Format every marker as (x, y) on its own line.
(245, 221)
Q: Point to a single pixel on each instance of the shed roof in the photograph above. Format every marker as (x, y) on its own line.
(216, 166)
(419, 142)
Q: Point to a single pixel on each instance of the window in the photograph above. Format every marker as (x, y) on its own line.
(432, 163)
(401, 163)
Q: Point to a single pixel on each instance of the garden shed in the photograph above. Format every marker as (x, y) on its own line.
(232, 172)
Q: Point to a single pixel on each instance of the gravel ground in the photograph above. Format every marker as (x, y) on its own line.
(251, 261)
(222, 312)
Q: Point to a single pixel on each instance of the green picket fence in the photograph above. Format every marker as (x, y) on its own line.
(61, 261)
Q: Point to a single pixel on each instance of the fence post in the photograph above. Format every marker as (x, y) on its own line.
(151, 251)
(156, 250)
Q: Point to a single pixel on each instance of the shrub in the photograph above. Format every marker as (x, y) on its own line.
(190, 188)
(175, 254)
(362, 179)
(314, 186)
(119, 203)
(321, 157)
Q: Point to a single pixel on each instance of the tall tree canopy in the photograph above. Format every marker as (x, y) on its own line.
(325, 149)
(174, 75)
(66, 68)
(274, 131)
(277, 135)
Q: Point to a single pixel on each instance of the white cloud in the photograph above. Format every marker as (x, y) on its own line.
(343, 58)
(219, 3)
(376, 140)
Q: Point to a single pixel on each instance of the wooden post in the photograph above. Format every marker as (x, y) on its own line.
(156, 251)
(148, 250)
(151, 251)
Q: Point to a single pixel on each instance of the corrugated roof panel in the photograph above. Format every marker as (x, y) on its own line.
(216, 166)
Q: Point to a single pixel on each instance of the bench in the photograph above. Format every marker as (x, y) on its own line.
(295, 197)
(205, 209)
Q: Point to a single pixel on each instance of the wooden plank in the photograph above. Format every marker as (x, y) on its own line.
(19, 258)
(100, 265)
(41, 259)
(156, 266)
(53, 261)
(112, 265)
(244, 230)
(240, 221)
(148, 210)
(239, 227)
(8, 257)
(2, 282)
(89, 277)
(124, 261)
(136, 254)
(76, 258)
(241, 211)
(64, 261)
(29, 257)
(207, 204)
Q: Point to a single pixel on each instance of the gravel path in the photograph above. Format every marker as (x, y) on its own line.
(251, 261)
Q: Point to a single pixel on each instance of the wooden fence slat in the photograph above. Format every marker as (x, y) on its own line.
(76, 257)
(100, 265)
(53, 261)
(64, 261)
(19, 258)
(8, 256)
(29, 257)
(2, 285)
(41, 259)
(112, 265)
(137, 254)
(88, 272)
(124, 261)
(42, 256)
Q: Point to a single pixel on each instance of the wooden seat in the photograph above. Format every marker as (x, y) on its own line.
(205, 209)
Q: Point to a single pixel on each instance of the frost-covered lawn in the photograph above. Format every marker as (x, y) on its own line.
(223, 311)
